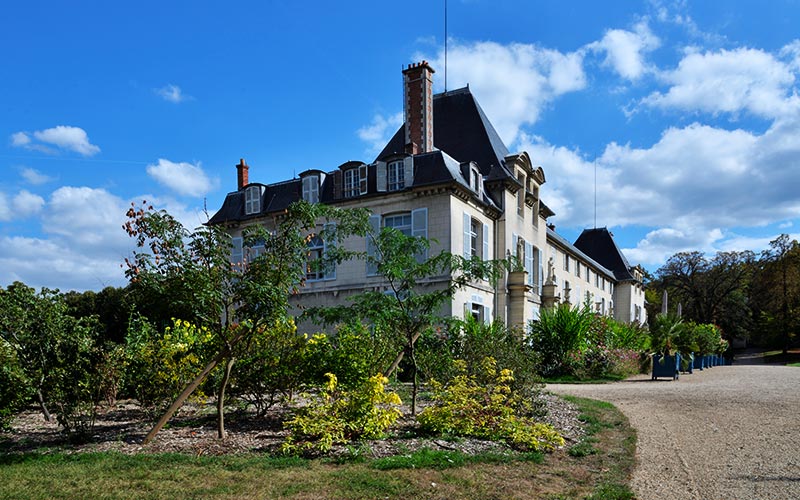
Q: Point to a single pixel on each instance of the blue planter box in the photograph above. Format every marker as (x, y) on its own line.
(669, 368)
(689, 362)
(699, 362)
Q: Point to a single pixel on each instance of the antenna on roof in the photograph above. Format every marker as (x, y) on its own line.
(445, 46)
(595, 193)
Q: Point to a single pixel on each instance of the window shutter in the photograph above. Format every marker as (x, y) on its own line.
(330, 266)
(237, 252)
(419, 228)
(541, 269)
(338, 188)
(514, 240)
(372, 249)
(487, 315)
(529, 262)
(467, 310)
(467, 242)
(408, 171)
(307, 189)
(380, 175)
(362, 179)
(485, 235)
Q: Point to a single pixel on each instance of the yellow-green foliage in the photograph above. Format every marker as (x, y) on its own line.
(335, 416)
(163, 363)
(486, 407)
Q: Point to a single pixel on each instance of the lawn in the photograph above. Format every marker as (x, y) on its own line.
(598, 467)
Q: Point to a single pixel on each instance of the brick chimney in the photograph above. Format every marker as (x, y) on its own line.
(242, 179)
(418, 107)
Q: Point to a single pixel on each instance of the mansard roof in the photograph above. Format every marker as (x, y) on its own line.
(461, 129)
(600, 245)
(578, 252)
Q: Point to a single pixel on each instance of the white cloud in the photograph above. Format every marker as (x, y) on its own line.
(791, 52)
(20, 139)
(34, 177)
(172, 93)
(27, 204)
(5, 209)
(514, 82)
(378, 133)
(693, 185)
(626, 50)
(184, 178)
(61, 136)
(729, 81)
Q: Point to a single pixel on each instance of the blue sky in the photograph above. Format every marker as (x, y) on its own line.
(687, 110)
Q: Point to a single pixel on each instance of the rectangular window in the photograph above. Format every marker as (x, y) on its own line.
(352, 185)
(474, 232)
(578, 269)
(311, 188)
(252, 200)
(566, 262)
(401, 222)
(588, 275)
(521, 196)
(396, 175)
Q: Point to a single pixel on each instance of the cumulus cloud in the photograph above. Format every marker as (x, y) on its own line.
(378, 133)
(513, 82)
(62, 136)
(729, 81)
(33, 176)
(184, 178)
(172, 93)
(27, 204)
(626, 50)
(692, 184)
(5, 209)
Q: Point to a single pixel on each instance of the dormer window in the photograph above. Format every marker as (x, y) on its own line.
(355, 181)
(252, 200)
(311, 188)
(396, 175)
(476, 180)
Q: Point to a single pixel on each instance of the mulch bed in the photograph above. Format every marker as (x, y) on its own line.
(122, 427)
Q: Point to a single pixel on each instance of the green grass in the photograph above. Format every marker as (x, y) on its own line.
(572, 379)
(792, 358)
(602, 474)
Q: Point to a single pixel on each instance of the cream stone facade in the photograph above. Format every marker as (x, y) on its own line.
(453, 181)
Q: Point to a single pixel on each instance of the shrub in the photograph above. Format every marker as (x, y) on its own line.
(15, 390)
(336, 416)
(160, 364)
(471, 342)
(485, 407)
(354, 353)
(273, 366)
(557, 333)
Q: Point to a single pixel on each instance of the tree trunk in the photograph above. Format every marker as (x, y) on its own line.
(190, 388)
(413, 358)
(40, 399)
(388, 373)
(221, 398)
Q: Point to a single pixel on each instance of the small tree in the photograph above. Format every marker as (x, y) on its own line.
(193, 272)
(416, 288)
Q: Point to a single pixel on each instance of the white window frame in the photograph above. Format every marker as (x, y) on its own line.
(395, 175)
(352, 183)
(252, 200)
(311, 188)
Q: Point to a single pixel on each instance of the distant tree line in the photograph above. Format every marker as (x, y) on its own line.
(750, 296)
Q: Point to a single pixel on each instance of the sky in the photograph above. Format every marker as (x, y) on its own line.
(683, 114)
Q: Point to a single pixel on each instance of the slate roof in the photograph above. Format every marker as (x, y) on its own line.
(462, 133)
(460, 128)
(552, 235)
(600, 245)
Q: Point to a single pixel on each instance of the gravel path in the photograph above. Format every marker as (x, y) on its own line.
(729, 432)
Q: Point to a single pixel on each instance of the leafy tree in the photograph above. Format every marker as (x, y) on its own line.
(704, 286)
(779, 278)
(413, 297)
(15, 390)
(193, 273)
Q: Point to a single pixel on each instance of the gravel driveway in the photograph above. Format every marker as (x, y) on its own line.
(729, 432)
